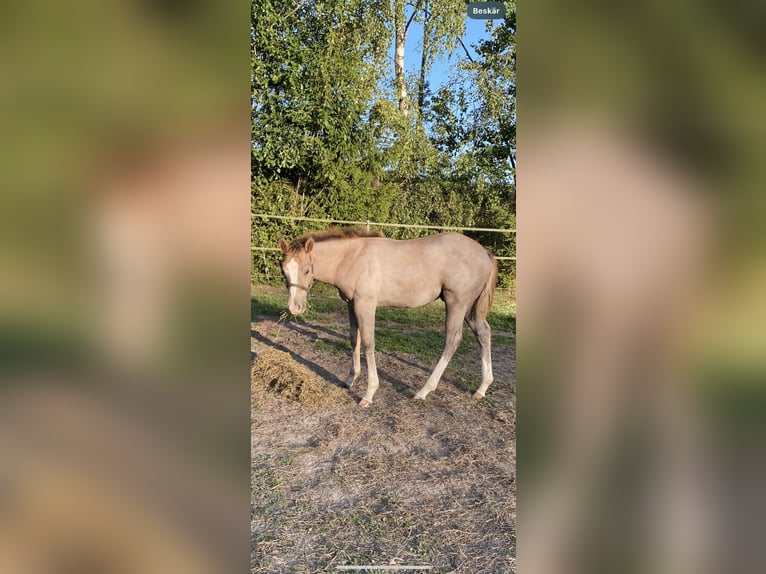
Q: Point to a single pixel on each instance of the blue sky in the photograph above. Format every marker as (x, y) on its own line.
(474, 31)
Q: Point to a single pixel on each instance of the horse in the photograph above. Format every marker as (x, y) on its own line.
(370, 271)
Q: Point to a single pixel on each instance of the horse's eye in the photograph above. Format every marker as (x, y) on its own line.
(306, 272)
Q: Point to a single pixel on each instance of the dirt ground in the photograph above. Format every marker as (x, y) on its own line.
(403, 483)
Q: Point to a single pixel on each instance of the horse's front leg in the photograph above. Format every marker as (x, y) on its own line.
(365, 316)
(356, 343)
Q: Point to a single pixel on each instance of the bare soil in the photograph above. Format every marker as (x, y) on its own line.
(405, 482)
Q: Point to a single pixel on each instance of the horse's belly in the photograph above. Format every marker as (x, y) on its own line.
(408, 297)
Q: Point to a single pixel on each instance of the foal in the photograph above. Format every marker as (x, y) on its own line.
(372, 271)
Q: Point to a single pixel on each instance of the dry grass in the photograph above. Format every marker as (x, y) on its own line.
(417, 483)
(405, 482)
(277, 372)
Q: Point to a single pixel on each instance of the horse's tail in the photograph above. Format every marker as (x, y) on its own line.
(483, 303)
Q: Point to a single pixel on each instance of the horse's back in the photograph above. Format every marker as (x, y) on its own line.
(444, 249)
(415, 272)
(454, 252)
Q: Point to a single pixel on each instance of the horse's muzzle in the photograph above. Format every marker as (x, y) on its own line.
(296, 302)
(296, 309)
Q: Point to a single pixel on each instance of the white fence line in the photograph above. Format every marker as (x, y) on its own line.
(278, 249)
(368, 223)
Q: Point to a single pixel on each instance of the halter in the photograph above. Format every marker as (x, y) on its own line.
(306, 289)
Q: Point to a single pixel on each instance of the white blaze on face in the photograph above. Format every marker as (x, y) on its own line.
(292, 277)
(292, 273)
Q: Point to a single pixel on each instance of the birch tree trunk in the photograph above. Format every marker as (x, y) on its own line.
(400, 26)
(424, 61)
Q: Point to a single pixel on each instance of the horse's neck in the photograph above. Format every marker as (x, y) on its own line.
(327, 256)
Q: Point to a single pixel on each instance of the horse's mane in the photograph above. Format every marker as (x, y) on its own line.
(334, 233)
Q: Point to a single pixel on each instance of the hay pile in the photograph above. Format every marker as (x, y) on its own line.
(277, 372)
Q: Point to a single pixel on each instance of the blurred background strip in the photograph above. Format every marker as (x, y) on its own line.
(124, 268)
(641, 298)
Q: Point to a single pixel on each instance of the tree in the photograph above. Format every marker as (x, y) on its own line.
(443, 23)
(331, 138)
(315, 69)
(472, 124)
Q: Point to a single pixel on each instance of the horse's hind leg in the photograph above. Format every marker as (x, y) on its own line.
(453, 336)
(356, 343)
(483, 333)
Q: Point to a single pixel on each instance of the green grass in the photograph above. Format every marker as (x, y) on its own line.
(503, 340)
(503, 315)
(266, 305)
(432, 313)
(425, 344)
(339, 348)
(272, 302)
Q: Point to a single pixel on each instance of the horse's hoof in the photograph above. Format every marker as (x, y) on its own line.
(419, 398)
(478, 395)
(365, 404)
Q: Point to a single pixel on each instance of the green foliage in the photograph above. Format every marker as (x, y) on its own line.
(315, 68)
(329, 139)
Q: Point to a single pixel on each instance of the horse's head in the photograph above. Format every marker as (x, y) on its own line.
(298, 269)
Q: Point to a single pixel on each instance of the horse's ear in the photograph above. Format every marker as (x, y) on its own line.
(309, 244)
(283, 244)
